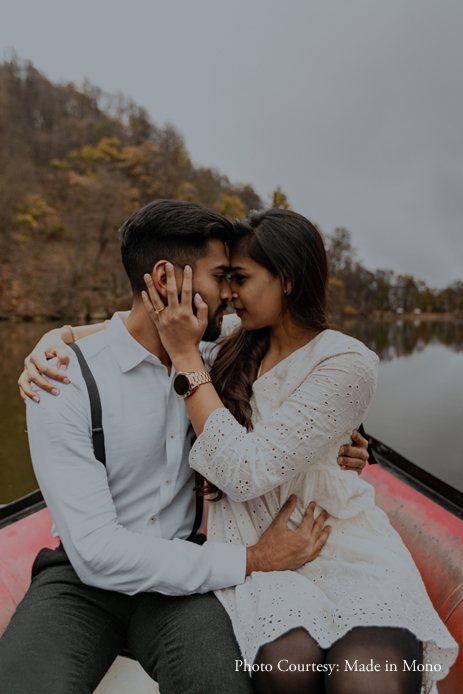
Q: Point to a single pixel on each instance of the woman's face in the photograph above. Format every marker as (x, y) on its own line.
(257, 295)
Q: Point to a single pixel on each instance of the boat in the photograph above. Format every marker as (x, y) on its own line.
(427, 513)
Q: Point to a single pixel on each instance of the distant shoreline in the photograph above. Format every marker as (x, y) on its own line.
(391, 316)
(377, 316)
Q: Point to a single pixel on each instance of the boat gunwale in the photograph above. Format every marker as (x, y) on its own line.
(433, 488)
(21, 508)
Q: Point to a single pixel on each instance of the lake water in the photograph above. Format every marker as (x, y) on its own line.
(417, 409)
(418, 406)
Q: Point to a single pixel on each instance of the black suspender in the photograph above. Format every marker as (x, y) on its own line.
(198, 518)
(98, 433)
(95, 406)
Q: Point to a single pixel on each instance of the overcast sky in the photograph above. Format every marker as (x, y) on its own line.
(353, 107)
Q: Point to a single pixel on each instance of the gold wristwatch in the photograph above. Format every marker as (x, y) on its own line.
(186, 382)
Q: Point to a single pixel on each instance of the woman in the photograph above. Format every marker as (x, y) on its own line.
(287, 392)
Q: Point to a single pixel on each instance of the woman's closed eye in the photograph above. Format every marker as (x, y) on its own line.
(239, 279)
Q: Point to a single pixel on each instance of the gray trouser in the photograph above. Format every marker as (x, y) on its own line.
(64, 636)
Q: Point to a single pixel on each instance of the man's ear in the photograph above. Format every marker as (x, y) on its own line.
(160, 278)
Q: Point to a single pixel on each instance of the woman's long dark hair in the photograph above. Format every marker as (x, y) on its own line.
(291, 248)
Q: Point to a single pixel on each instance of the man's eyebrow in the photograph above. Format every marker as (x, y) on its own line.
(223, 268)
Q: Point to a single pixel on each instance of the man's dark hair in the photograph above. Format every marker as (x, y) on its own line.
(173, 230)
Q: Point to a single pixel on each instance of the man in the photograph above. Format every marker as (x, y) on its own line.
(127, 575)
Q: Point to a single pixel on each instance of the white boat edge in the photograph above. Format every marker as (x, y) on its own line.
(126, 675)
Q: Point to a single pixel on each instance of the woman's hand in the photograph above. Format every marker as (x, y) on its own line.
(179, 328)
(50, 345)
(354, 457)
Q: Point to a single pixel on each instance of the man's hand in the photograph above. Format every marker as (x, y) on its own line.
(281, 549)
(354, 457)
(50, 345)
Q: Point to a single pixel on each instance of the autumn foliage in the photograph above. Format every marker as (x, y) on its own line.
(74, 164)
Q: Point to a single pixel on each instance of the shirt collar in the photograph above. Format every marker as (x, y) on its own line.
(128, 352)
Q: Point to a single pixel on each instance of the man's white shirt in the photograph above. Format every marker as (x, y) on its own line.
(124, 526)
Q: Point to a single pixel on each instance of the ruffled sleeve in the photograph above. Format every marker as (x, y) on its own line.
(331, 401)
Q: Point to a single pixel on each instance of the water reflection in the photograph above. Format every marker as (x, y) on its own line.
(404, 338)
(16, 474)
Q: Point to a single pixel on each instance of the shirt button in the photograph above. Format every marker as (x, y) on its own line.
(172, 435)
(153, 519)
(168, 481)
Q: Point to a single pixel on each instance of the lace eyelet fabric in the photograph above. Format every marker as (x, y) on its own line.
(304, 409)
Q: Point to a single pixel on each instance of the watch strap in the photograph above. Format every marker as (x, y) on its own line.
(199, 378)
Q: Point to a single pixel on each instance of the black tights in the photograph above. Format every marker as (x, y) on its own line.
(386, 646)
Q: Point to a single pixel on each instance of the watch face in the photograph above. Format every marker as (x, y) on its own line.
(181, 385)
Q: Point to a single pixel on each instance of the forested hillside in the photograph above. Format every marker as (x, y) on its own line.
(74, 164)
(356, 290)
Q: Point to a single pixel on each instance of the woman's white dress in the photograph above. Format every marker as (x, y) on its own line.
(303, 410)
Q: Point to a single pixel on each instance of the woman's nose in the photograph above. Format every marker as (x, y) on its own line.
(226, 293)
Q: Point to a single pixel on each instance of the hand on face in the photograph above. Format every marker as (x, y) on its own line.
(179, 328)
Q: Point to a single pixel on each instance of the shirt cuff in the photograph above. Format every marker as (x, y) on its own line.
(229, 564)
